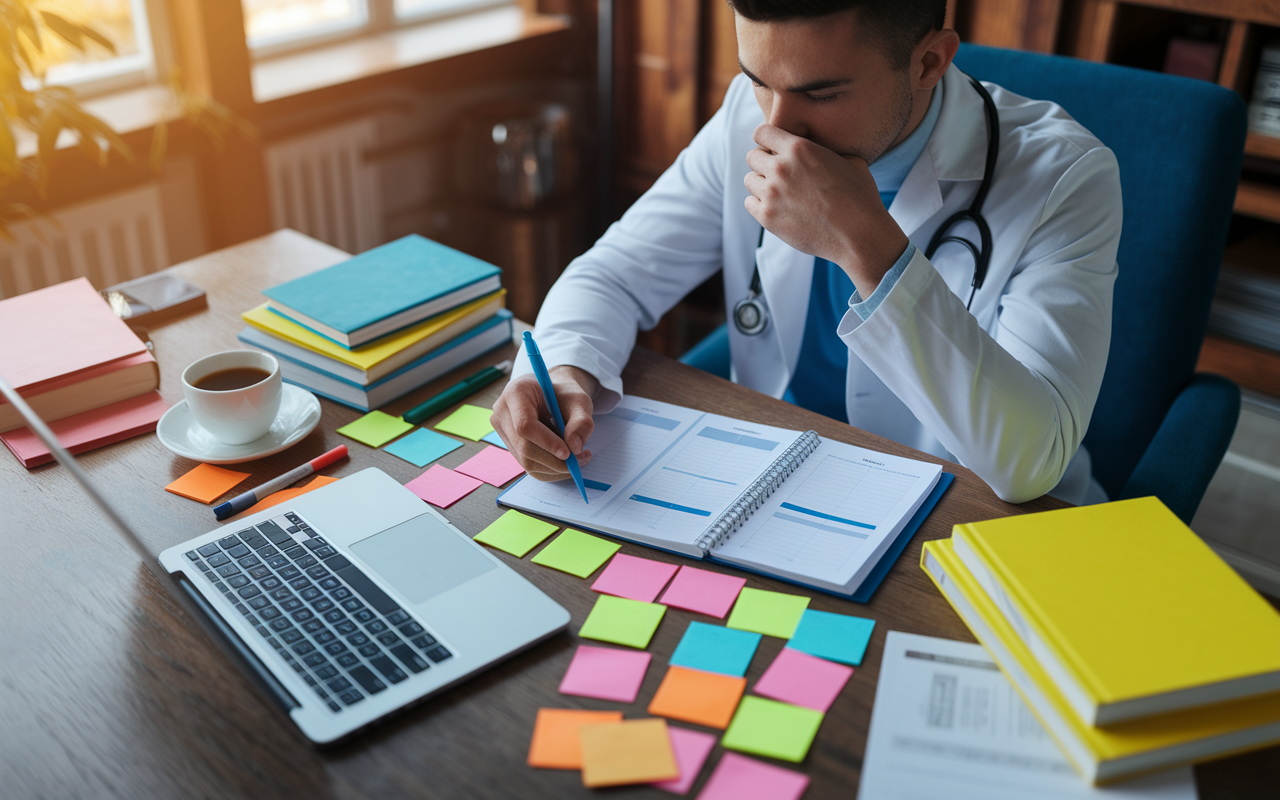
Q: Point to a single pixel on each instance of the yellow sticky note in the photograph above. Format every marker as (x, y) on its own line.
(206, 483)
(515, 533)
(375, 428)
(555, 736)
(632, 751)
(469, 422)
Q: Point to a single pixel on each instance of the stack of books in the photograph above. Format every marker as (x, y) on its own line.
(79, 367)
(1135, 645)
(375, 327)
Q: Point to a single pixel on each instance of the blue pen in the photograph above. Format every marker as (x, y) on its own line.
(549, 394)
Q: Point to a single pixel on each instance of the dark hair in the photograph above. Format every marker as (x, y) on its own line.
(898, 24)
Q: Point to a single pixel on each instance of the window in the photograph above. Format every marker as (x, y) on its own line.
(95, 69)
(273, 26)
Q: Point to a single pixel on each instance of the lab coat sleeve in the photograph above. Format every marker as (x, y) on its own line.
(665, 245)
(1012, 406)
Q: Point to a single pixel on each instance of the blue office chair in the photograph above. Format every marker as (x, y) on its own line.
(1158, 428)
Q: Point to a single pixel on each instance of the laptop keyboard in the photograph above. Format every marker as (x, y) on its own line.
(321, 614)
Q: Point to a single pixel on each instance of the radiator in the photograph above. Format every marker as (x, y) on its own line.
(322, 186)
(107, 240)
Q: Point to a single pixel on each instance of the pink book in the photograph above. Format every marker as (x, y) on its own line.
(64, 330)
(89, 430)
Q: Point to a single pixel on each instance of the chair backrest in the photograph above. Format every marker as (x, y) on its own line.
(1179, 143)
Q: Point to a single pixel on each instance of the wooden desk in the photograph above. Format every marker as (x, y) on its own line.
(111, 687)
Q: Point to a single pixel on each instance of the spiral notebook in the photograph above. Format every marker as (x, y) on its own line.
(785, 503)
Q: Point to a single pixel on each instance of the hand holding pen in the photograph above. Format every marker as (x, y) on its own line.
(522, 419)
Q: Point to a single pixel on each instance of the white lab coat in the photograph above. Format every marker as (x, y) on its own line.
(1006, 390)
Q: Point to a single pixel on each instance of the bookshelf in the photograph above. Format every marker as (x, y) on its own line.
(1137, 33)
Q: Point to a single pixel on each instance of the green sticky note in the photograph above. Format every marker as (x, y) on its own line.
(773, 729)
(469, 422)
(515, 533)
(375, 428)
(770, 613)
(576, 553)
(622, 621)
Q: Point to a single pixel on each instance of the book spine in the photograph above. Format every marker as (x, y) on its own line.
(755, 494)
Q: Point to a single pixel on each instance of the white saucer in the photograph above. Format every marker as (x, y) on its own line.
(179, 431)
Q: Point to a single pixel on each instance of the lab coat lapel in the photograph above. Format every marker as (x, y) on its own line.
(956, 151)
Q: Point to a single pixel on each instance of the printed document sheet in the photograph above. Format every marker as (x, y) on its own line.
(948, 723)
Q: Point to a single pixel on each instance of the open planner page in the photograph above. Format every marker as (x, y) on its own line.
(828, 524)
(659, 474)
(624, 442)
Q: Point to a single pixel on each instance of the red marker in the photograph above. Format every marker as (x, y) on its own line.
(237, 504)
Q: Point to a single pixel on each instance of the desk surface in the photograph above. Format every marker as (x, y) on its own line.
(111, 686)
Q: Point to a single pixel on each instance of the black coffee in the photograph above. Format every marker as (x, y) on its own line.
(227, 380)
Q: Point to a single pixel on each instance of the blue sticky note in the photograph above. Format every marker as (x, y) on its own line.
(493, 438)
(422, 447)
(835, 637)
(712, 648)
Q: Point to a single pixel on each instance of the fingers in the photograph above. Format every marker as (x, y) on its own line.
(761, 160)
(522, 420)
(773, 138)
(576, 406)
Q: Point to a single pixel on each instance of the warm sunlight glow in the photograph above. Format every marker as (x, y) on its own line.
(274, 19)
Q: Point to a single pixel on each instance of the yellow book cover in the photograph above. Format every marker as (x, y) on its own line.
(1126, 609)
(1101, 754)
(384, 355)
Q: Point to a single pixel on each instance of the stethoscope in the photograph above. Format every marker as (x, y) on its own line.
(751, 313)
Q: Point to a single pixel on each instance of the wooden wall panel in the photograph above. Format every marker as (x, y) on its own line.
(1019, 24)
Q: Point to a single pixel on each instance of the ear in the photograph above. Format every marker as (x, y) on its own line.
(931, 58)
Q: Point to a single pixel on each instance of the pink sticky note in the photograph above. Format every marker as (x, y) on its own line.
(492, 465)
(705, 592)
(635, 578)
(803, 680)
(605, 673)
(691, 749)
(741, 778)
(441, 486)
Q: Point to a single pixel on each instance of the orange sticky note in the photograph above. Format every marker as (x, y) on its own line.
(707, 698)
(634, 751)
(206, 483)
(285, 495)
(555, 736)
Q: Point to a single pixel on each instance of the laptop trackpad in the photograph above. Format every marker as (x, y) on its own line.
(422, 558)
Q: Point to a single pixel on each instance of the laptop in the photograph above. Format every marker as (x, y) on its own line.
(350, 602)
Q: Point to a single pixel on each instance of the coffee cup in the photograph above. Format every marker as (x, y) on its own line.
(234, 395)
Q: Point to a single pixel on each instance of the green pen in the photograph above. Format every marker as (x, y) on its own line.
(456, 392)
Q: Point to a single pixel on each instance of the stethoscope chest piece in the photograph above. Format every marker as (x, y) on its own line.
(751, 315)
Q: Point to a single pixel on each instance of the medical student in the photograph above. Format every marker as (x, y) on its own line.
(847, 147)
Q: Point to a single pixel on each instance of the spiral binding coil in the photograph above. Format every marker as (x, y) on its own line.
(751, 499)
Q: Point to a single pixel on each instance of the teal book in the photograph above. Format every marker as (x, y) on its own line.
(383, 290)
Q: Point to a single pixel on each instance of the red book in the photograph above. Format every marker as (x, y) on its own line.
(89, 430)
(65, 352)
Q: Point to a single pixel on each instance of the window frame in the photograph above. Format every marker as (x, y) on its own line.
(153, 59)
(379, 17)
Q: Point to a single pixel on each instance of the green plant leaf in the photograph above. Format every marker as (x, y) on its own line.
(74, 33)
(159, 142)
(65, 30)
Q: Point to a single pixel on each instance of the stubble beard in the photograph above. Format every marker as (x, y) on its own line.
(893, 127)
